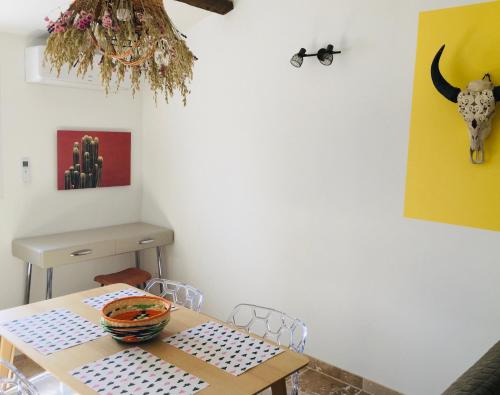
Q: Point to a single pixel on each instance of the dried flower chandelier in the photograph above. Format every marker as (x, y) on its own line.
(132, 36)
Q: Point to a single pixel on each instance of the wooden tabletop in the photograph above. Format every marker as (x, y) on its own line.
(61, 363)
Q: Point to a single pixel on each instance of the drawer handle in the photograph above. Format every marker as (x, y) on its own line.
(147, 241)
(81, 253)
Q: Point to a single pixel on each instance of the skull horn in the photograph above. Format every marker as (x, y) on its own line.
(443, 87)
(496, 89)
(496, 93)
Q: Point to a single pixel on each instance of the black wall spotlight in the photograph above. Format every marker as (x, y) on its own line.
(324, 55)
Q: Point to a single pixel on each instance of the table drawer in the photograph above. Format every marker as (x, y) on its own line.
(84, 252)
(142, 242)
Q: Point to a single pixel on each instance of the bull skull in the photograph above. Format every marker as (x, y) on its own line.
(476, 104)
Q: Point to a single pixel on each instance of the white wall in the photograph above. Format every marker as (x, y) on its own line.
(29, 118)
(285, 187)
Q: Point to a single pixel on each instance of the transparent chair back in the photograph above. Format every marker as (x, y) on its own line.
(15, 383)
(179, 293)
(273, 325)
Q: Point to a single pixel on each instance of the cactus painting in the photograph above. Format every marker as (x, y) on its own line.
(93, 159)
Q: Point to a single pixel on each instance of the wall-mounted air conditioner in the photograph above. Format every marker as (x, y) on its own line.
(40, 73)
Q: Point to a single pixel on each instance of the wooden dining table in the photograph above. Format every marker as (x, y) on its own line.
(271, 373)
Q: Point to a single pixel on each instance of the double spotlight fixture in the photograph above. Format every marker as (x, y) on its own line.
(324, 55)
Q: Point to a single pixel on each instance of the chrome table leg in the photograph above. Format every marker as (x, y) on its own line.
(160, 271)
(158, 258)
(27, 291)
(48, 293)
(137, 260)
(138, 266)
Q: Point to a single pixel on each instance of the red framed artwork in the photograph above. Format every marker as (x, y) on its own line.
(92, 159)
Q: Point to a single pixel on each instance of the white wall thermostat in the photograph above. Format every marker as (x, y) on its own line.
(26, 168)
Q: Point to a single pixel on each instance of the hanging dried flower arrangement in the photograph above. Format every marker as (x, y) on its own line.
(134, 36)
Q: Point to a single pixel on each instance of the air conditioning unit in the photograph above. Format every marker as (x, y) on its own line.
(40, 73)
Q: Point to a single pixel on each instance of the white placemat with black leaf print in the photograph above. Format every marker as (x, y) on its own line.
(224, 347)
(98, 302)
(135, 371)
(54, 330)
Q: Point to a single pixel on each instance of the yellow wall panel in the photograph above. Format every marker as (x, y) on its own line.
(442, 184)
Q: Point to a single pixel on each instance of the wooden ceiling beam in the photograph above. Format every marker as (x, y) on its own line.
(218, 6)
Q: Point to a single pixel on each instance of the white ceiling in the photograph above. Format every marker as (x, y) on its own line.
(26, 17)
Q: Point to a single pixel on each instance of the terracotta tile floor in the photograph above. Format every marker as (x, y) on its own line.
(26, 366)
(313, 382)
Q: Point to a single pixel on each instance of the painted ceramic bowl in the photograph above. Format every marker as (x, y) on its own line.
(135, 319)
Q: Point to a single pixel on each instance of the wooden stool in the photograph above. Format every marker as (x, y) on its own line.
(134, 276)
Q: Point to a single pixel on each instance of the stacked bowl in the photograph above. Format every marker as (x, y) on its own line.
(135, 319)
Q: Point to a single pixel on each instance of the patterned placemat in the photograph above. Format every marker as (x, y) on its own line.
(54, 330)
(98, 302)
(224, 347)
(135, 371)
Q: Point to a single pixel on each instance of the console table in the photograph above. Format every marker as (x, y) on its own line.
(54, 250)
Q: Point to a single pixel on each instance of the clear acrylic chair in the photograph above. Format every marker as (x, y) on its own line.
(180, 293)
(15, 383)
(273, 325)
(47, 384)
